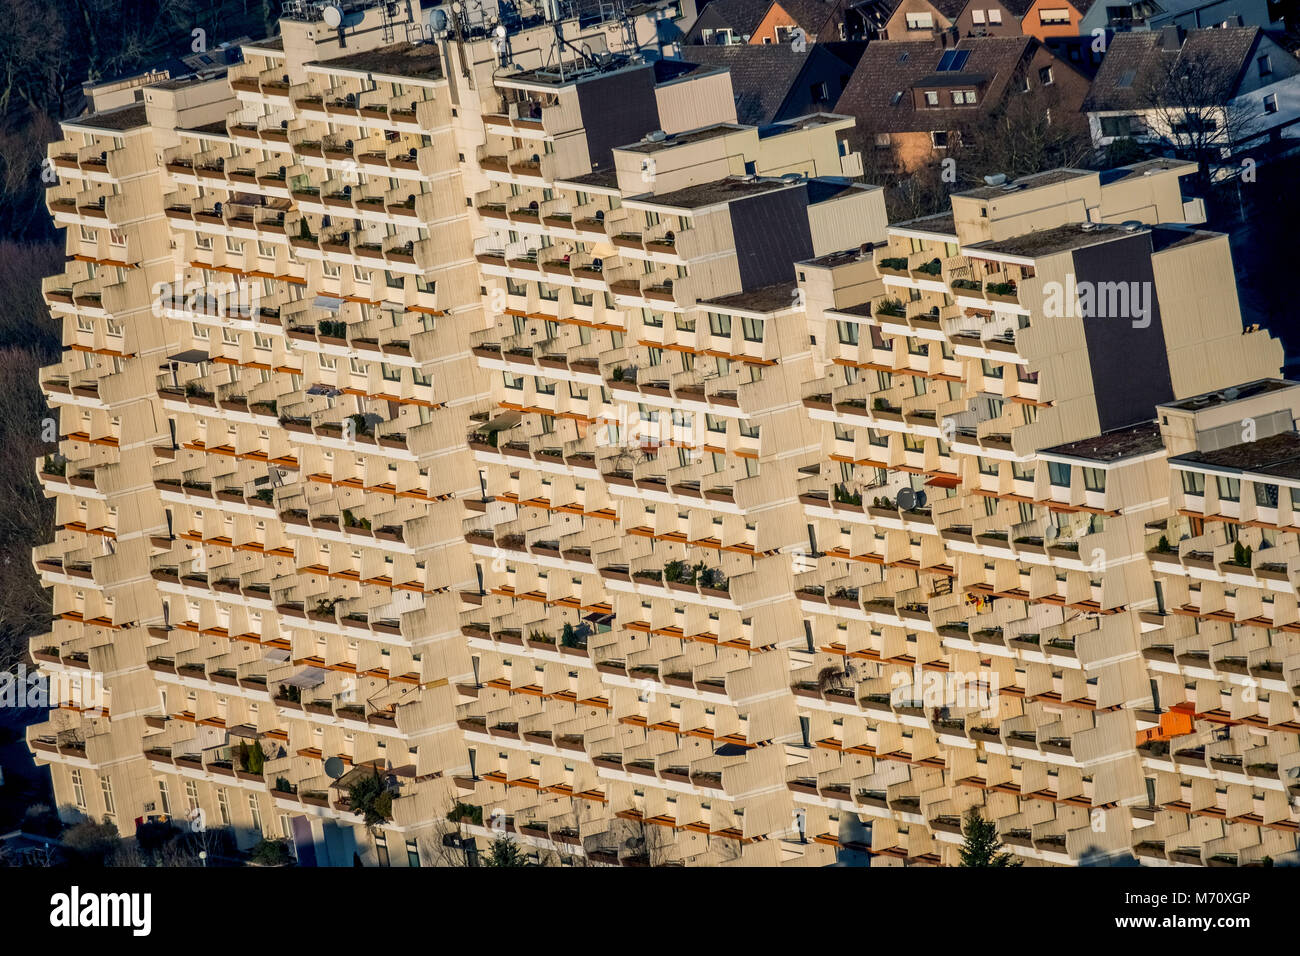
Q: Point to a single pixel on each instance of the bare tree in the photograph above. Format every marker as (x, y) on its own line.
(1190, 109)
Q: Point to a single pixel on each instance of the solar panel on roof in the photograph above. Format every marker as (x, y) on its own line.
(952, 60)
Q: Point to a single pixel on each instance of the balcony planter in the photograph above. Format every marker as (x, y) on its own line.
(1001, 292)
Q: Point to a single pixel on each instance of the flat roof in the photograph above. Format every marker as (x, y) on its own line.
(600, 178)
(1144, 168)
(417, 61)
(768, 298)
(1050, 177)
(118, 120)
(1223, 396)
(1129, 442)
(941, 224)
(1170, 237)
(1046, 242)
(682, 139)
(574, 72)
(718, 191)
(210, 129)
(1277, 455)
(832, 259)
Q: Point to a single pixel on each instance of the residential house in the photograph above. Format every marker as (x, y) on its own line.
(911, 98)
(776, 82)
(1141, 15)
(1215, 93)
(765, 22)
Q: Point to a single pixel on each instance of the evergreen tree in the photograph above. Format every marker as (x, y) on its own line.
(505, 852)
(981, 844)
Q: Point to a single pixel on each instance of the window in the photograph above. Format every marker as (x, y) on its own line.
(931, 98)
(848, 332)
(719, 324)
(106, 786)
(939, 138)
(1229, 488)
(223, 806)
(920, 21)
(1270, 103)
(164, 798)
(1193, 483)
(515, 382)
(1045, 76)
(995, 17)
(78, 790)
(963, 97)
(191, 794)
(977, 16)
(1056, 16)
(1265, 64)
(751, 328)
(255, 811)
(412, 854)
(1118, 125)
(1094, 479)
(1058, 473)
(1265, 495)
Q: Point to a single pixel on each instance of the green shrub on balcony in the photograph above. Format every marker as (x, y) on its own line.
(252, 759)
(897, 263)
(332, 328)
(462, 811)
(891, 307)
(845, 497)
(371, 797)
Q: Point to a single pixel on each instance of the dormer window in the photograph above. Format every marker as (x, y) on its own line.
(963, 97)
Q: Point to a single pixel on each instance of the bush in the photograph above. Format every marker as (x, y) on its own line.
(462, 811)
(270, 853)
(90, 843)
(371, 797)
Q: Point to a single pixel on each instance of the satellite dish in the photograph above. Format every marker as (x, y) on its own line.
(333, 16)
(334, 768)
(920, 499)
(438, 20)
(501, 31)
(907, 499)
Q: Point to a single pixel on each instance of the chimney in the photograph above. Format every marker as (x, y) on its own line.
(1171, 38)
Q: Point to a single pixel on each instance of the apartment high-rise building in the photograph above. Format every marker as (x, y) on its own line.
(502, 419)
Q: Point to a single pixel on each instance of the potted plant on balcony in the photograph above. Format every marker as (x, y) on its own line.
(371, 797)
(892, 266)
(1001, 292)
(679, 576)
